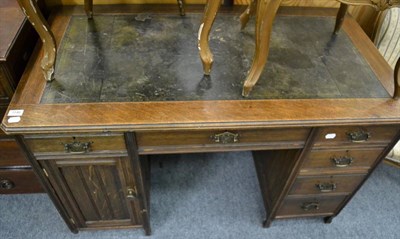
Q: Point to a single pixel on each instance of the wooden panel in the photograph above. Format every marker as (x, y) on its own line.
(344, 184)
(205, 137)
(321, 161)
(339, 135)
(54, 144)
(11, 154)
(24, 181)
(292, 207)
(94, 191)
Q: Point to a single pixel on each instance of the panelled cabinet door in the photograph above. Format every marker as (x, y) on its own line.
(97, 192)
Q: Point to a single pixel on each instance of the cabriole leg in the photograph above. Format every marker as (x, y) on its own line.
(266, 11)
(32, 12)
(181, 7)
(340, 17)
(89, 8)
(245, 16)
(206, 56)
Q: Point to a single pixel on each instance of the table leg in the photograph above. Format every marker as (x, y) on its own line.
(266, 11)
(245, 16)
(206, 56)
(89, 8)
(340, 17)
(181, 7)
(32, 12)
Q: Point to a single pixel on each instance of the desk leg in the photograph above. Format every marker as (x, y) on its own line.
(245, 16)
(206, 56)
(266, 11)
(32, 12)
(89, 8)
(340, 17)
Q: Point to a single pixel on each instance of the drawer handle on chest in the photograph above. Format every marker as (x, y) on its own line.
(342, 162)
(307, 206)
(326, 187)
(131, 193)
(225, 138)
(6, 184)
(77, 147)
(358, 136)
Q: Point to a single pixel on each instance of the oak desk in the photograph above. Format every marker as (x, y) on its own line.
(317, 127)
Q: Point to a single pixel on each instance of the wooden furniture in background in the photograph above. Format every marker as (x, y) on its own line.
(311, 155)
(17, 40)
(265, 15)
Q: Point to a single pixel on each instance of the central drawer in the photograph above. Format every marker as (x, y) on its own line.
(180, 141)
(76, 144)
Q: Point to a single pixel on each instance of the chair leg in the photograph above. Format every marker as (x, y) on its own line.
(206, 56)
(181, 5)
(340, 17)
(89, 8)
(266, 11)
(396, 94)
(245, 16)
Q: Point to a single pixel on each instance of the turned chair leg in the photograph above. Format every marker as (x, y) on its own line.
(89, 8)
(340, 17)
(181, 5)
(245, 16)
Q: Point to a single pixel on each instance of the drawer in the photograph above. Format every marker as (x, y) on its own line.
(295, 137)
(337, 184)
(76, 144)
(356, 135)
(309, 206)
(11, 154)
(19, 181)
(335, 160)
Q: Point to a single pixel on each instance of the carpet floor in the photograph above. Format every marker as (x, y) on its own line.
(216, 196)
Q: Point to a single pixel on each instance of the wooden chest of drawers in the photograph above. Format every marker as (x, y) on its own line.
(332, 166)
(17, 40)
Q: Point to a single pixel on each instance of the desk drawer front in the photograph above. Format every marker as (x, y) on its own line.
(222, 137)
(326, 185)
(357, 135)
(309, 206)
(19, 181)
(341, 160)
(79, 144)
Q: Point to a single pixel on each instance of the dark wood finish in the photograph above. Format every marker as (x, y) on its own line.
(96, 190)
(98, 143)
(344, 184)
(17, 40)
(293, 207)
(21, 180)
(322, 160)
(396, 93)
(186, 126)
(379, 135)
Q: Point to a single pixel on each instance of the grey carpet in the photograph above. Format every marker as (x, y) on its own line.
(217, 196)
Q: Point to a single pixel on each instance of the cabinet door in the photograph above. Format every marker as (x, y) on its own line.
(96, 192)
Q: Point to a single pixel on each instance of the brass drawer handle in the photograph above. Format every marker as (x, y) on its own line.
(326, 187)
(225, 138)
(342, 162)
(131, 193)
(6, 184)
(77, 147)
(358, 136)
(307, 206)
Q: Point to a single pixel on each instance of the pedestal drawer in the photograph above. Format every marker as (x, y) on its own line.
(335, 160)
(309, 206)
(76, 144)
(19, 181)
(356, 135)
(338, 184)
